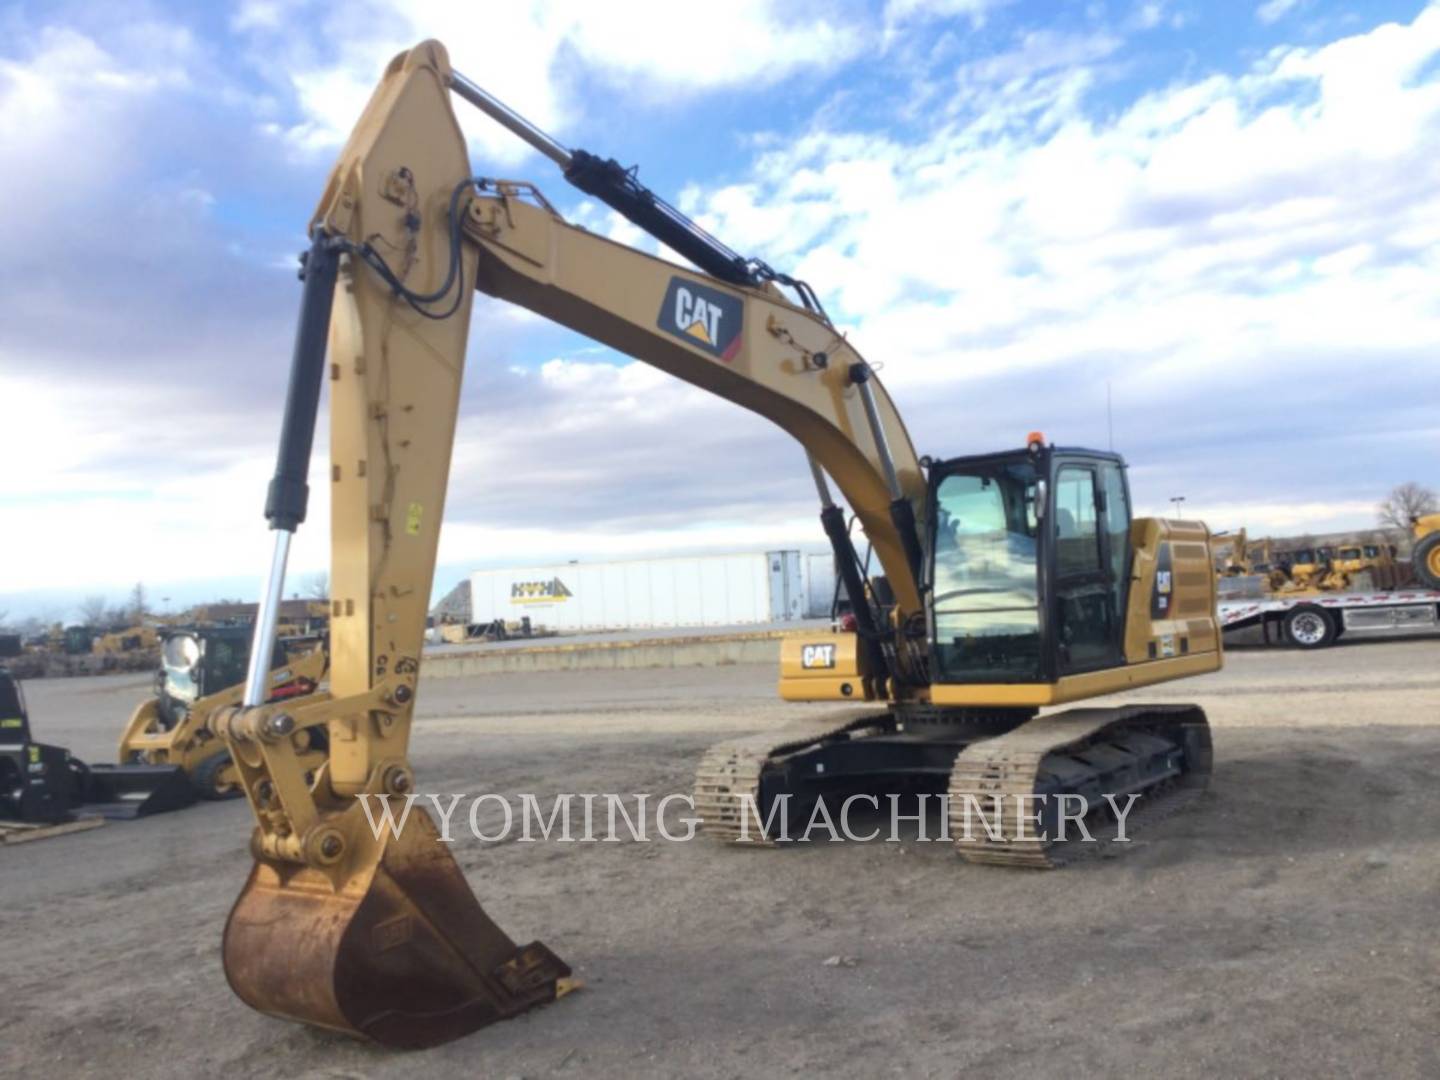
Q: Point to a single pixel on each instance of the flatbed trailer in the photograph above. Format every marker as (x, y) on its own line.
(1316, 620)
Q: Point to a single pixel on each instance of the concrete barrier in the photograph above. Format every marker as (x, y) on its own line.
(699, 651)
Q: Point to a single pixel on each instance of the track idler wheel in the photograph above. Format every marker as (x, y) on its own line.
(403, 955)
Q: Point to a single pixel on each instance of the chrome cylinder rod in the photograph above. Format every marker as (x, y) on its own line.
(820, 485)
(860, 376)
(509, 118)
(262, 643)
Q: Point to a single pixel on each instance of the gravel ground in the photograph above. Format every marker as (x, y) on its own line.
(1282, 926)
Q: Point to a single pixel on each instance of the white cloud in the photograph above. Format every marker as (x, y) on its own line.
(260, 14)
(1274, 10)
(899, 12)
(649, 50)
(66, 96)
(1156, 13)
(600, 445)
(1148, 16)
(124, 481)
(1208, 224)
(1262, 518)
(1225, 243)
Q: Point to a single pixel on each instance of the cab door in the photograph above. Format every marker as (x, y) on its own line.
(1089, 565)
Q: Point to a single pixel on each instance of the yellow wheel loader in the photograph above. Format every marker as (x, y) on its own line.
(1425, 556)
(1015, 582)
(172, 727)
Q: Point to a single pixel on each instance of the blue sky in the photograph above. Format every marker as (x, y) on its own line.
(1227, 211)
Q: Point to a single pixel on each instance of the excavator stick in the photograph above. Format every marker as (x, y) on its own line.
(405, 957)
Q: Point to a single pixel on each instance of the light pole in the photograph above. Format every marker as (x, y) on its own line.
(1175, 501)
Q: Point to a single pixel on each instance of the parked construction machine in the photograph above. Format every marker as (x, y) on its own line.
(131, 639)
(201, 670)
(1367, 566)
(1306, 569)
(64, 640)
(1012, 581)
(1231, 556)
(1425, 555)
(42, 783)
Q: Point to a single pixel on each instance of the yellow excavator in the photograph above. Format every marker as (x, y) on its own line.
(1012, 581)
(1233, 557)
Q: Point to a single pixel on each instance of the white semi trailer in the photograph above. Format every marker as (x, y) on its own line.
(704, 590)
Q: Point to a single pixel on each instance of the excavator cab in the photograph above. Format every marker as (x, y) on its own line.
(1039, 589)
(1029, 567)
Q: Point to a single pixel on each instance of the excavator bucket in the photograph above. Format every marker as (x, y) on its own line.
(403, 955)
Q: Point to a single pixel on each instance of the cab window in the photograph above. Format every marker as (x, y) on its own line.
(985, 579)
(1077, 536)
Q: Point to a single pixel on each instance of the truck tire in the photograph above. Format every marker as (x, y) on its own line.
(1426, 560)
(1310, 627)
(207, 779)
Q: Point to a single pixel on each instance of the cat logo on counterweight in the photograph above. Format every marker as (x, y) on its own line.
(704, 317)
(817, 656)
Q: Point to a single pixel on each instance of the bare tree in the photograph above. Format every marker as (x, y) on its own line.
(317, 585)
(138, 608)
(94, 611)
(1404, 504)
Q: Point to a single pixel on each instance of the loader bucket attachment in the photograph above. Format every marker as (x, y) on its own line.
(403, 955)
(121, 792)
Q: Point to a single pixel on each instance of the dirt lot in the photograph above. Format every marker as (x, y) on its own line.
(1284, 926)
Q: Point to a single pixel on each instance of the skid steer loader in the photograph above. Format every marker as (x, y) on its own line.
(202, 670)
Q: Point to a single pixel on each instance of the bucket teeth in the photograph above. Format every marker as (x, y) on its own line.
(403, 955)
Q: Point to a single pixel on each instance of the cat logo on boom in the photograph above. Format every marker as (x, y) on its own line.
(704, 317)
